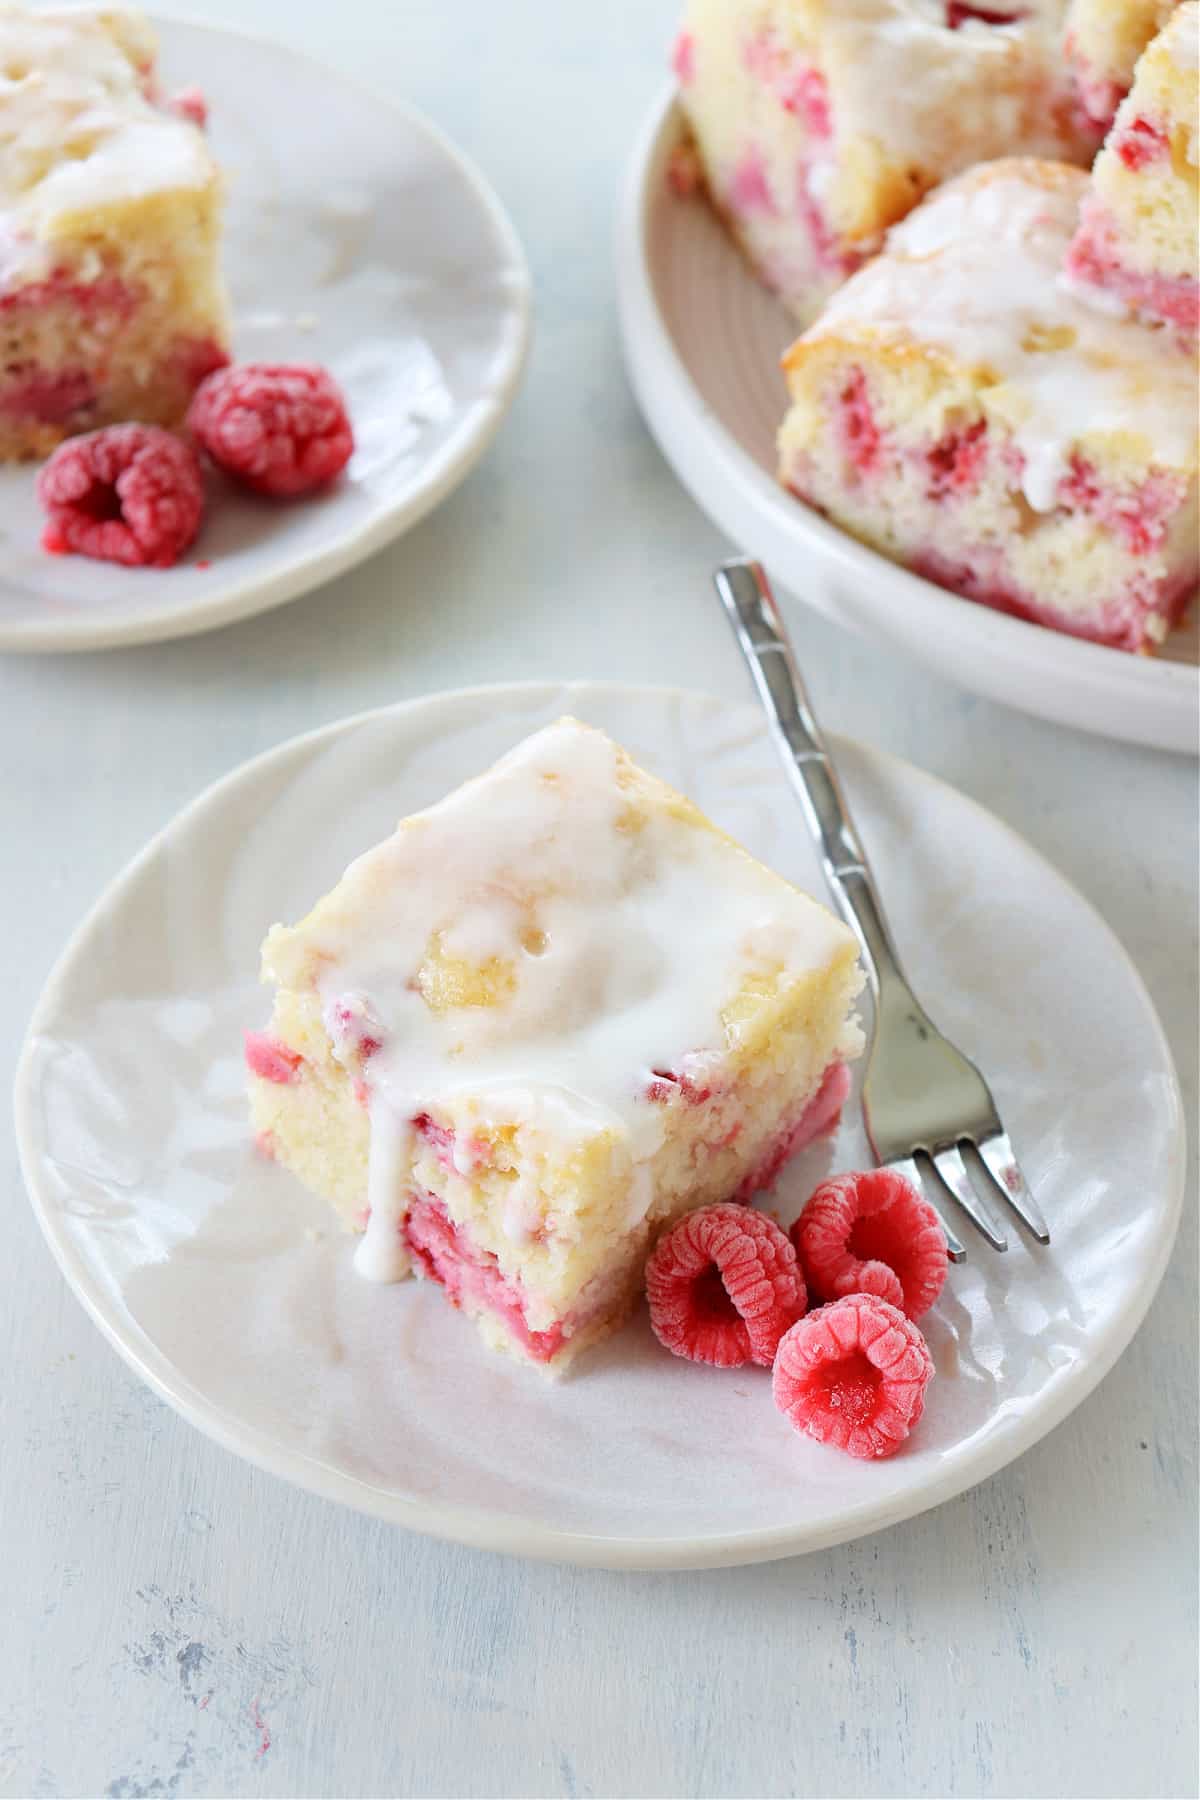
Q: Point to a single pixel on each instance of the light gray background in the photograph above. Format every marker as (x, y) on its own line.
(172, 1622)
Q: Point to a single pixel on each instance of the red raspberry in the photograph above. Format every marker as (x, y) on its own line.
(857, 1229)
(129, 494)
(278, 429)
(854, 1374)
(724, 1286)
(872, 1277)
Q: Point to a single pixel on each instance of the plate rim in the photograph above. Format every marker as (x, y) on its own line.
(256, 594)
(712, 458)
(508, 1534)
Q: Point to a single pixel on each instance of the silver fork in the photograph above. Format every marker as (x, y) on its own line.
(928, 1111)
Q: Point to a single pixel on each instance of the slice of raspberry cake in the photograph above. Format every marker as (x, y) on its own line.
(111, 301)
(1104, 39)
(542, 1020)
(1139, 229)
(821, 122)
(959, 409)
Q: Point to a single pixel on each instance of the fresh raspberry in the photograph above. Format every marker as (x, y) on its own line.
(872, 1277)
(127, 494)
(277, 428)
(724, 1286)
(854, 1374)
(855, 1223)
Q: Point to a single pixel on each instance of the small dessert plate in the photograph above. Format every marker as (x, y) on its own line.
(371, 246)
(702, 343)
(230, 1290)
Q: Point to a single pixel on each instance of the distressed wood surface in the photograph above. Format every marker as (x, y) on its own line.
(173, 1622)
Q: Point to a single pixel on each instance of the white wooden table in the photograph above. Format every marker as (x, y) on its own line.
(171, 1621)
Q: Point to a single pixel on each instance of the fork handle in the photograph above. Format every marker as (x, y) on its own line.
(762, 637)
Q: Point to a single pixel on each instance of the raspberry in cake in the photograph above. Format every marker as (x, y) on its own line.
(821, 122)
(959, 409)
(538, 1024)
(112, 306)
(1139, 228)
(1104, 39)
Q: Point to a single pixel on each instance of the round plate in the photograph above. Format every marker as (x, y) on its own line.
(703, 341)
(229, 1289)
(371, 246)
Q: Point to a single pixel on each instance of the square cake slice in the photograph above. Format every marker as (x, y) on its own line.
(959, 409)
(819, 123)
(112, 305)
(1104, 39)
(538, 1023)
(1139, 230)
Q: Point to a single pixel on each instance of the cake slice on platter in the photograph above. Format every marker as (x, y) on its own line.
(959, 409)
(819, 123)
(112, 306)
(1139, 232)
(542, 1020)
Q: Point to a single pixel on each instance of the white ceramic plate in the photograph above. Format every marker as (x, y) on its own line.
(703, 341)
(370, 245)
(223, 1283)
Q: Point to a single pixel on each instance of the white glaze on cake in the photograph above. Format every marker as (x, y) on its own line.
(1182, 42)
(976, 272)
(819, 123)
(110, 233)
(77, 131)
(1104, 39)
(582, 915)
(922, 89)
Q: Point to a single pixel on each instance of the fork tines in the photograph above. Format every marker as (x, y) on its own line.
(948, 1173)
